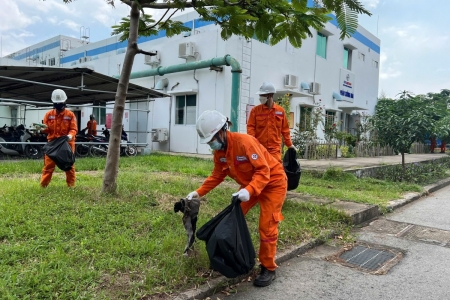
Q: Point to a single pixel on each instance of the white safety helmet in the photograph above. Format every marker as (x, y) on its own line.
(208, 124)
(266, 88)
(59, 96)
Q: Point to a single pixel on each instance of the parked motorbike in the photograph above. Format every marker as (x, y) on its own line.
(102, 149)
(82, 150)
(18, 134)
(34, 151)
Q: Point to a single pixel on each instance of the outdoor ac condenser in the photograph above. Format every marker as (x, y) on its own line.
(160, 135)
(314, 88)
(291, 81)
(186, 50)
(152, 60)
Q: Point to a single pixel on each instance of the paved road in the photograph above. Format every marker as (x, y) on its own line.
(419, 230)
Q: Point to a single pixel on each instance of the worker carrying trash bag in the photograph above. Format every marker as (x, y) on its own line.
(59, 122)
(268, 122)
(260, 175)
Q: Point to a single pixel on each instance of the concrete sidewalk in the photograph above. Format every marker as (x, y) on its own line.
(348, 163)
(358, 212)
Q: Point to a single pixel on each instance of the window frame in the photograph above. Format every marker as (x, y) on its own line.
(348, 54)
(100, 112)
(321, 47)
(305, 118)
(330, 116)
(186, 117)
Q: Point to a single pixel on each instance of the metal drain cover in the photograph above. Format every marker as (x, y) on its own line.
(374, 259)
(366, 258)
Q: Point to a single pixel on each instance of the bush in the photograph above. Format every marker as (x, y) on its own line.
(420, 173)
(336, 174)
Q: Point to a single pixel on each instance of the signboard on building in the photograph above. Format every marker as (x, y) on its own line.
(347, 85)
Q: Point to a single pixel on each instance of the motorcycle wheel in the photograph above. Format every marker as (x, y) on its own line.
(82, 150)
(33, 151)
(131, 151)
(96, 150)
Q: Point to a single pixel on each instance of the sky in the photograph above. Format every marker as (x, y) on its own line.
(414, 34)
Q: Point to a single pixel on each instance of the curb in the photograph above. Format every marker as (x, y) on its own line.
(395, 204)
(373, 211)
(213, 286)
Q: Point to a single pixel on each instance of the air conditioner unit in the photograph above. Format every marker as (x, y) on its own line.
(160, 135)
(186, 50)
(314, 88)
(290, 81)
(152, 60)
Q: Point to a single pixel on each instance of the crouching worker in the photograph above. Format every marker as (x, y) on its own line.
(261, 176)
(59, 122)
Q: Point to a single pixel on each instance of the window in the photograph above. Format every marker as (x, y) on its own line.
(51, 62)
(321, 45)
(305, 118)
(375, 64)
(361, 56)
(330, 118)
(186, 110)
(347, 58)
(99, 113)
(43, 62)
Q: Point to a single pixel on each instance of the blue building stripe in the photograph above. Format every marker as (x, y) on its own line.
(198, 23)
(358, 36)
(38, 50)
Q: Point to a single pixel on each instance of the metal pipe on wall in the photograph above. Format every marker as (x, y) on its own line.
(227, 60)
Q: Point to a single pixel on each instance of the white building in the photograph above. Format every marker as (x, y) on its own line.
(342, 75)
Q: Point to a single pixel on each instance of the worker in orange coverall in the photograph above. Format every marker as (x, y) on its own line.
(59, 122)
(261, 177)
(91, 126)
(268, 122)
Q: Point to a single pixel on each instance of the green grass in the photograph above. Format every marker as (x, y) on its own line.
(338, 185)
(61, 243)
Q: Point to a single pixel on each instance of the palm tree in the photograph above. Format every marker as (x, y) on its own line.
(405, 94)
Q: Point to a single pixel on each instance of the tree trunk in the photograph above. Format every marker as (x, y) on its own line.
(112, 158)
(403, 165)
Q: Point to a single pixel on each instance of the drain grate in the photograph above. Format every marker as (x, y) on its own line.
(367, 258)
(374, 259)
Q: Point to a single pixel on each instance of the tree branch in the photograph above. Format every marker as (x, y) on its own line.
(164, 5)
(153, 26)
(146, 53)
(127, 2)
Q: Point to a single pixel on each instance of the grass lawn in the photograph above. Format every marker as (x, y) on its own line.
(338, 185)
(61, 243)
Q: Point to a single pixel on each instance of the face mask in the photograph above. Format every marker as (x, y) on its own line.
(59, 106)
(263, 99)
(215, 145)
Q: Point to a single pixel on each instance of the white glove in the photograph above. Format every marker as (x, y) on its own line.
(191, 195)
(242, 195)
(292, 147)
(69, 137)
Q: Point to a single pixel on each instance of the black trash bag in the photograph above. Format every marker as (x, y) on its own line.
(228, 242)
(60, 152)
(292, 169)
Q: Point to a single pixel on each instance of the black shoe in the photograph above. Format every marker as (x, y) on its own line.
(265, 277)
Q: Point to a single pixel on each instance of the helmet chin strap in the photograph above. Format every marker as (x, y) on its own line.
(224, 141)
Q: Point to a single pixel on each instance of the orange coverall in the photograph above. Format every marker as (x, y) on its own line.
(267, 126)
(92, 127)
(59, 124)
(251, 166)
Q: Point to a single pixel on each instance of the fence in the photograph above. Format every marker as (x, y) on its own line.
(319, 150)
(329, 150)
(372, 150)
